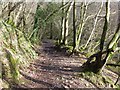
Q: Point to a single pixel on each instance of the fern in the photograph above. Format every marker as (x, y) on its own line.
(13, 66)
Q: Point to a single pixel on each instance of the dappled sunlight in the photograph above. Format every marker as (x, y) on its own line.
(65, 45)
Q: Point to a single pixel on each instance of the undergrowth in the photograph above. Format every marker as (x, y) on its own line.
(15, 52)
(98, 80)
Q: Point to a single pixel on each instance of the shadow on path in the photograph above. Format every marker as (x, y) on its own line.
(60, 68)
(49, 85)
(57, 69)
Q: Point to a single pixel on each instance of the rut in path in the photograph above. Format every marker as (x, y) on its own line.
(54, 69)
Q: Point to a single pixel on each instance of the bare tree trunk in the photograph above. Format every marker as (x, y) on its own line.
(82, 23)
(112, 44)
(9, 11)
(74, 28)
(97, 65)
(79, 32)
(105, 28)
(51, 30)
(114, 40)
(62, 24)
(66, 24)
(94, 27)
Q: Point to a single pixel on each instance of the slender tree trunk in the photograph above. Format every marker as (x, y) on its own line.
(9, 12)
(62, 24)
(61, 35)
(114, 40)
(99, 63)
(74, 28)
(64, 31)
(94, 27)
(66, 23)
(102, 41)
(82, 23)
(51, 31)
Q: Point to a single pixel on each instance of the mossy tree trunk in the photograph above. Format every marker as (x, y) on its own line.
(98, 63)
(77, 33)
(112, 44)
(111, 47)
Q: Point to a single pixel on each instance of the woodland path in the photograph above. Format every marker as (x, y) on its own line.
(54, 70)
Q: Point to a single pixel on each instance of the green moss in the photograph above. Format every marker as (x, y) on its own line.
(19, 51)
(118, 87)
(69, 49)
(97, 79)
(13, 63)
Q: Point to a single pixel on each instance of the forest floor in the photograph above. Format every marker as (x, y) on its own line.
(54, 69)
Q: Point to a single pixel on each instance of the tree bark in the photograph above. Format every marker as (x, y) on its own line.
(74, 28)
(94, 27)
(82, 23)
(51, 30)
(97, 65)
(66, 23)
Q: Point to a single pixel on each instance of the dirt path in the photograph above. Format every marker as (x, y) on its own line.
(55, 70)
